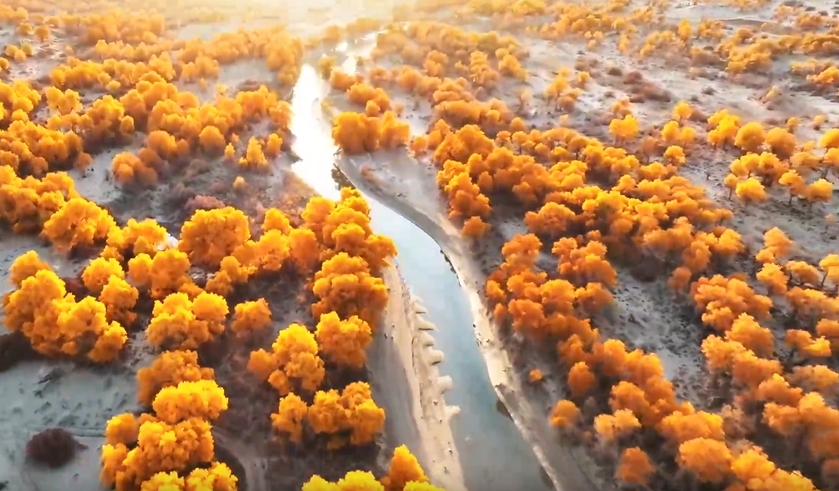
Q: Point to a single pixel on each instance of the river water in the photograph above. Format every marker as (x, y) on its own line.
(493, 453)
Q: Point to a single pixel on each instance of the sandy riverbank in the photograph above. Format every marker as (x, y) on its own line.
(407, 384)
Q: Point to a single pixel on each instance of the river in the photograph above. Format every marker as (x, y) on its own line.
(494, 454)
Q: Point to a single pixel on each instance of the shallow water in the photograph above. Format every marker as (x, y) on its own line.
(493, 453)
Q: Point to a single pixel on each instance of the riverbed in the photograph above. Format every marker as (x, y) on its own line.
(493, 453)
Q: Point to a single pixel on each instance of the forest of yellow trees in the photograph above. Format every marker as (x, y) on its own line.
(596, 204)
(593, 198)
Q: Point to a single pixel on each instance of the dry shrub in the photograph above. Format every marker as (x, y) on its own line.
(53, 447)
(633, 78)
(203, 202)
(14, 348)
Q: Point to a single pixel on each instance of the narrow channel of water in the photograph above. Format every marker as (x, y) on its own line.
(493, 453)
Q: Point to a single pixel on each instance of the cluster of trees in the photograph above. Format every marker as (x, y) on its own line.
(138, 260)
(336, 234)
(30, 148)
(774, 156)
(791, 396)
(78, 222)
(334, 243)
(477, 169)
(374, 99)
(639, 207)
(404, 474)
(53, 320)
(162, 449)
(171, 446)
(293, 362)
(350, 298)
(179, 322)
(126, 47)
(415, 41)
(28, 203)
(556, 305)
(352, 257)
(744, 351)
(458, 69)
(563, 93)
(334, 33)
(473, 167)
(346, 417)
(740, 52)
(356, 133)
(178, 126)
(641, 399)
(25, 29)
(51, 206)
(169, 369)
(646, 209)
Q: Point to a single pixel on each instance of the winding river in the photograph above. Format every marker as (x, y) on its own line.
(493, 452)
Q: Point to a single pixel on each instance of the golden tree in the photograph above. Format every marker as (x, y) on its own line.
(161, 274)
(635, 467)
(345, 285)
(404, 468)
(581, 380)
(750, 191)
(612, 427)
(344, 342)
(168, 370)
(292, 361)
(25, 266)
(290, 417)
(211, 235)
(565, 414)
(709, 460)
(251, 316)
(353, 411)
(161, 447)
(180, 323)
(203, 399)
(78, 223)
(750, 137)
